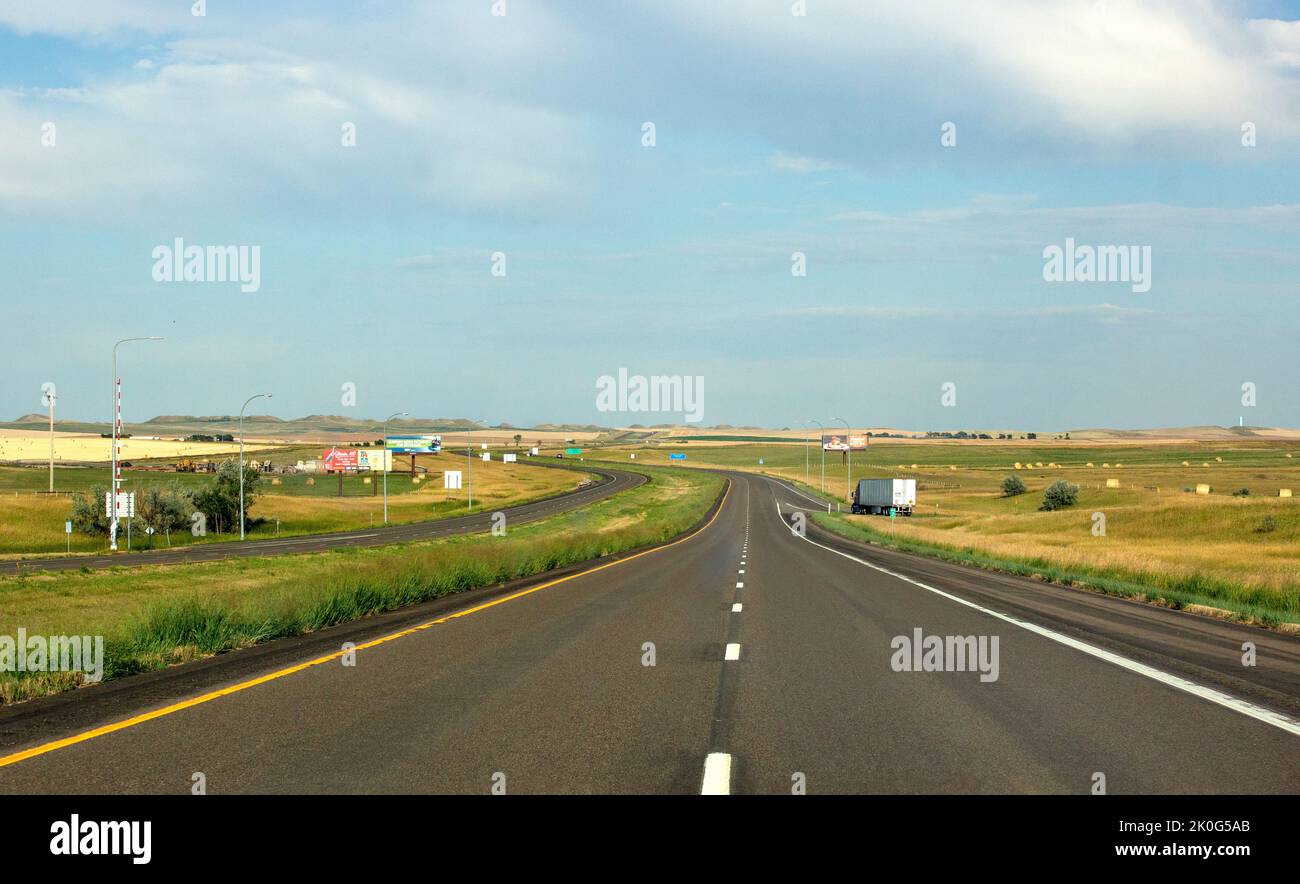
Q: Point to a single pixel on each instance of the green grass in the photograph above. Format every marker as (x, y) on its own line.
(155, 616)
(34, 522)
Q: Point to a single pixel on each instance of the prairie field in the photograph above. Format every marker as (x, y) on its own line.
(1240, 551)
(33, 521)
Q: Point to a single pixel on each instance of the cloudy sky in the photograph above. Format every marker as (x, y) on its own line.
(124, 125)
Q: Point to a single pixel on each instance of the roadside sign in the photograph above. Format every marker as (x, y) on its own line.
(67, 527)
(125, 504)
(573, 451)
(451, 480)
(338, 460)
(676, 456)
(509, 458)
(426, 444)
(845, 442)
(533, 451)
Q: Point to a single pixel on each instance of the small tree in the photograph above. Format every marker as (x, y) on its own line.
(1011, 486)
(219, 500)
(518, 438)
(1059, 495)
(88, 514)
(165, 508)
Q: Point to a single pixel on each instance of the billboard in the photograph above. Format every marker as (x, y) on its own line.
(843, 442)
(338, 460)
(413, 444)
(349, 460)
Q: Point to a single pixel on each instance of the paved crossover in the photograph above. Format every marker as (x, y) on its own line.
(775, 667)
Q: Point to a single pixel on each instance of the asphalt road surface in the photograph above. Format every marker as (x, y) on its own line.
(608, 482)
(773, 669)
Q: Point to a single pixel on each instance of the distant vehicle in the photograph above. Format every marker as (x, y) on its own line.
(879, 496)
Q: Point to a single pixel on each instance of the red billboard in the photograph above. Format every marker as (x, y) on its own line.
(340, 460)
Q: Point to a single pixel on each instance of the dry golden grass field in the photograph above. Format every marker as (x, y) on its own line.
(1158, 530)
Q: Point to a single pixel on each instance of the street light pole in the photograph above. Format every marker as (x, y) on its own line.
(469, 462)
(807, 444)
(848, 451)
(384, 455)
(241, 458)
(823, 429)
(51, 399)
(115, 477)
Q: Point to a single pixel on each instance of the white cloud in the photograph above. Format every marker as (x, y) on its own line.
(1103, 71)
(782, 161)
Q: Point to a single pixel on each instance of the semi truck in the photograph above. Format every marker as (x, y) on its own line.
(877, 496)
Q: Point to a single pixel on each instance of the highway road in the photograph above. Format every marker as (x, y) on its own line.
(608, 482)
(775, 667)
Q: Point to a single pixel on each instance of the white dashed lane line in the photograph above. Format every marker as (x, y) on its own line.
(717, 774)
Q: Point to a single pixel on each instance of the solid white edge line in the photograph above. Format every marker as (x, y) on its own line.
(740, 586)
(1267, 716)
(717, 774)
(733, 651)
(737, 607)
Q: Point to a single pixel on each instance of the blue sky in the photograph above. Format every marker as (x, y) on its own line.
(1112, 123)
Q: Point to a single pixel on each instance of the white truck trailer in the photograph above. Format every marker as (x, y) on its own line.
(880, 496)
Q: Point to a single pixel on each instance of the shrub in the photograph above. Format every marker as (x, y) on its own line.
(88, 514)
(1267, 525)
(1059, 495)
(1011, 486)
(1241, 492)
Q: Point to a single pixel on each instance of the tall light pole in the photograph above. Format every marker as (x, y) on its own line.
(807, 443)
(384, 454)
(49, 398)
(115, 478)
(848, 451)
(469, 462)
(823, 429)
(241, 458)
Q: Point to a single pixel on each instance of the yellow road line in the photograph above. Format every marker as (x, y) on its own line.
(281, 673)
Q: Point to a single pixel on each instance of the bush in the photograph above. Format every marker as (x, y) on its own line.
(165, 508)
(1011, 486)
(1267, 525)
(1059, 495)
(219, 500)
(1241, 492)
(88, 514)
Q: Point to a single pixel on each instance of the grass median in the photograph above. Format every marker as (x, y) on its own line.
(157, 616)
